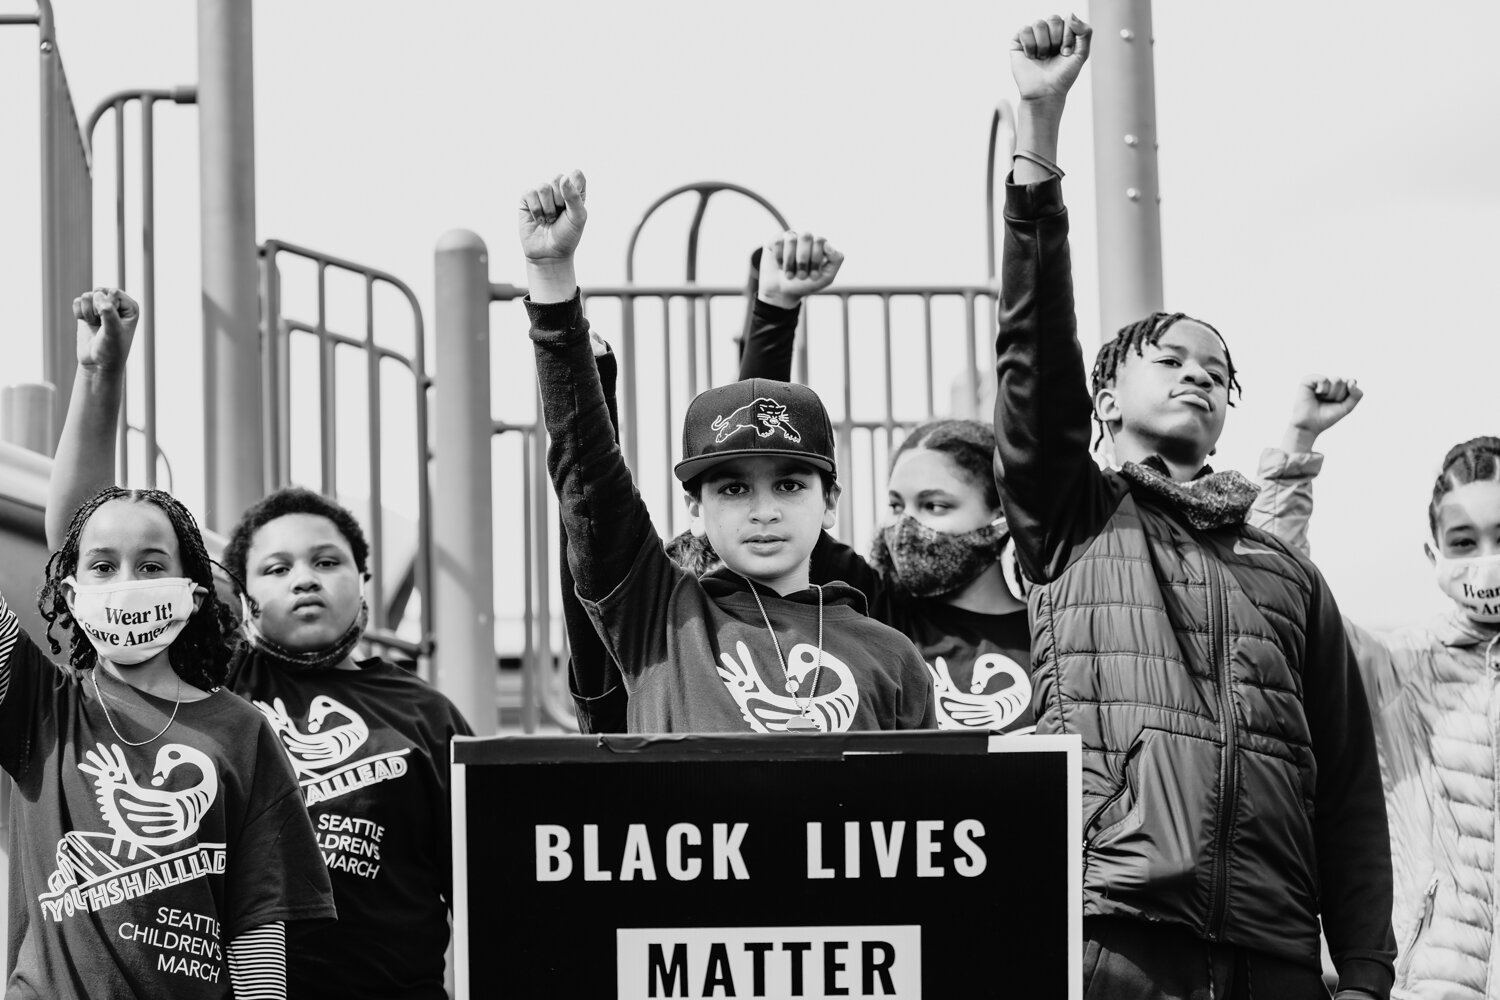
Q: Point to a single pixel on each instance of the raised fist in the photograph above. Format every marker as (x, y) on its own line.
(552, 218)
(108, 317)
(794, 265)
(1046, 57)
(1321, 402)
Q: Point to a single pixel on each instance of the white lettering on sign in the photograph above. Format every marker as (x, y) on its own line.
(886, 841)
(681, 848)
(808, 963)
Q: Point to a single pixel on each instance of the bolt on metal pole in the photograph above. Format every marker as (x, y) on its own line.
(1125, 175)
(463, 540)
(233, 435)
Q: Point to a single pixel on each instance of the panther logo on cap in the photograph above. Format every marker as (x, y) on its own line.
(764, 416)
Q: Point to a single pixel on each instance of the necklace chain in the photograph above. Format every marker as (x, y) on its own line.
(791, 685)
(95, 678)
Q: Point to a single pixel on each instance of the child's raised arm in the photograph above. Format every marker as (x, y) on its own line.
(1054, 496)
(604, 517)
(85, 459)
(1285, 502)
(787, 270)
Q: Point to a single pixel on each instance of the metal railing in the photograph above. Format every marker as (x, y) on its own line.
(145, 290)
(389, 594)
(277, 331)
(67, 212)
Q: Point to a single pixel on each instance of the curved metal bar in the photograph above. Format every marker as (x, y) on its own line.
(177, 95)
(705, 190)
(416, 363)
(1003, 116)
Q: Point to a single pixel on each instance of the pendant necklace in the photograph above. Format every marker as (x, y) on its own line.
(95, 678)
(798, 723)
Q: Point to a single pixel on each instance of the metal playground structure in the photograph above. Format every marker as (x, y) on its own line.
(445, 587)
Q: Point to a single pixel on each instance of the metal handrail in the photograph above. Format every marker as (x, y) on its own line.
(147, 290)
(67, 210)
(1005, 118)
(276, 330)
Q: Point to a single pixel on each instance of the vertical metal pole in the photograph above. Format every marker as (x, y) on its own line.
(122, 280)
(327, 392)
(890, 376)
(26, 416)
(462, 532)
(66, 210)
(233, 435)
(541, 666)
(377, 484)
(148, 281)
(1125, 177)
(273, 389)
(845, 444)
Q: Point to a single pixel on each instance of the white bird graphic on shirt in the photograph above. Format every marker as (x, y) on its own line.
(317, 749)
(150, 817)
(974, 709)
(768, 711)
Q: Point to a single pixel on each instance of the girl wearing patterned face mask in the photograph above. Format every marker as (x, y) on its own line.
(146, 788)
(1433, 697)
(367, 739)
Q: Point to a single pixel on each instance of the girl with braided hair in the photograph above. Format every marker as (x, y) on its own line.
(367, 740)
(1433, 698)
(160, 848)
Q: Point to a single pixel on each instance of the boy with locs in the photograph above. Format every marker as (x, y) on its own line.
(1232, 796)
(751, 646)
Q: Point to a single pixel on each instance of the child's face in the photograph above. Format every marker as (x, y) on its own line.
(301, 571)
(1468, 521)
(763, 515)
(929, 486)
(1170, 399)
(125, 541)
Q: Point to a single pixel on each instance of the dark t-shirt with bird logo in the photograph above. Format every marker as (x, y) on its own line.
(370, 752)
(134, 867)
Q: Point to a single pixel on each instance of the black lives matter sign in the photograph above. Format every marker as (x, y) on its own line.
(865, 865)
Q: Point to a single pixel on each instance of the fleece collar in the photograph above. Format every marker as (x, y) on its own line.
(1210, 500)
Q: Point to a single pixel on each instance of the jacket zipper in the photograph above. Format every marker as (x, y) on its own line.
(1218, 614)
(1406, 953)
(1088, 837)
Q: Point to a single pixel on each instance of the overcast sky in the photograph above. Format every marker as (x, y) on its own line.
(1328, 171)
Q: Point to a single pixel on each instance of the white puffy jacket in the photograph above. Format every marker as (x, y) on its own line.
(1434, 690)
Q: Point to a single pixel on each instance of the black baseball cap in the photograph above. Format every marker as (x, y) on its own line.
(759, 416)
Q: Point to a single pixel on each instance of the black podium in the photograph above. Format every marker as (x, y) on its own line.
(863, 865)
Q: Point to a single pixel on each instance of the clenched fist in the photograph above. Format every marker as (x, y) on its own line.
(107, 326)
(552, 217)
(794, 265)
(1047, 56)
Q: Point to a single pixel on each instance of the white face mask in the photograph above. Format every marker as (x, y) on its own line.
(1474, 583)
(129, 623)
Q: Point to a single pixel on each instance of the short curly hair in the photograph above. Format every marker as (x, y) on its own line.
(291, 500)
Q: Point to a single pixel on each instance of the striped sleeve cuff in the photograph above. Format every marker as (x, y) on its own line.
(10, 633)
(257, 963)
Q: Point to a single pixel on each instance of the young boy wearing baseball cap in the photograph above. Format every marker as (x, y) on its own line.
(750, 647)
